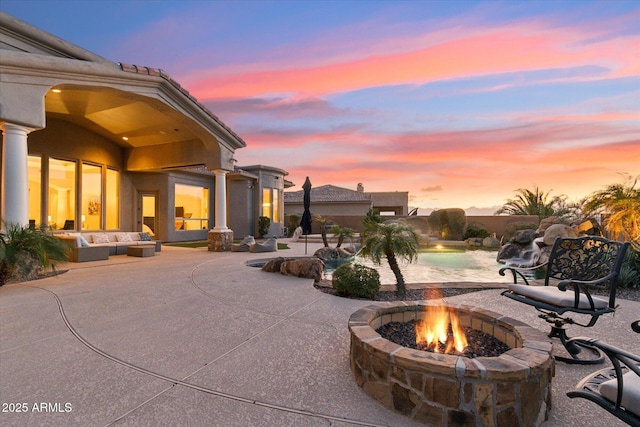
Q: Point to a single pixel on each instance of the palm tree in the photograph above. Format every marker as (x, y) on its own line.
(341, 233)
(621, 205)
(322, 221)
(535, 202)
(392, 241)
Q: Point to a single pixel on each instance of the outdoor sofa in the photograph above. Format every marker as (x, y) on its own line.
(96, 246)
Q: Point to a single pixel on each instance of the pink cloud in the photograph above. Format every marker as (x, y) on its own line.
(492, 51)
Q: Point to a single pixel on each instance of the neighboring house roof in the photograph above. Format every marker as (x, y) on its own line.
(328, 194)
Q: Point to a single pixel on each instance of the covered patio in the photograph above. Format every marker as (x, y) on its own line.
(190, 337)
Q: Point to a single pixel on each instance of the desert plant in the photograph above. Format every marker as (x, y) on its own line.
(372, 216)
(392, 241)
(630, 271)
(264, 222)
(535, 202)
(620, 204)
(25, 252)
(322, 221)
(356, 280)
(474, 230)
(341, 233)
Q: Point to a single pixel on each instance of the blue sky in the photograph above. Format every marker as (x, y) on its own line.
(460, 103)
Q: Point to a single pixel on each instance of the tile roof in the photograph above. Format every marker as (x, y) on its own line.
(328, 193)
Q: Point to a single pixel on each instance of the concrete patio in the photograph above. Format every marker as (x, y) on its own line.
(195, 338)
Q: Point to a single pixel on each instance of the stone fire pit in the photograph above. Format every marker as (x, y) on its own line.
(513, 389)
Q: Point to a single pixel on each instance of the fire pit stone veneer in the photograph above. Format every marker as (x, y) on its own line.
(513, 389)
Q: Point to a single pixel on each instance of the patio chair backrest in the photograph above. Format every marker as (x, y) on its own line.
(586, 258)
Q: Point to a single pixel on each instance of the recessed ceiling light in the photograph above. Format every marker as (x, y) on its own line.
(56, 90)
(125, 138)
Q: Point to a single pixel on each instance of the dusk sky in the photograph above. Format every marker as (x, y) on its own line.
(458, 102)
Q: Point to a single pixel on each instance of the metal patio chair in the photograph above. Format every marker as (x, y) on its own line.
(617, 388)
(576, 268)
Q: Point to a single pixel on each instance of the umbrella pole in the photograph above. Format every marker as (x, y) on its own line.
(305, 244)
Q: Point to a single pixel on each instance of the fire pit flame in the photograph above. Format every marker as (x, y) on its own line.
(440, 331)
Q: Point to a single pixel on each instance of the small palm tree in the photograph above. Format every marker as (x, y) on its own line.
(621, 203)
(535, 202)
(341, 233)
(322, 221)
(392, 241)
(24, 250)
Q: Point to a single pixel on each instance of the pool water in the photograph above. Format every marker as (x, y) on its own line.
(445, 266)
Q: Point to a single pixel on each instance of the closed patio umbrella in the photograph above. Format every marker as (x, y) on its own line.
(305, 222)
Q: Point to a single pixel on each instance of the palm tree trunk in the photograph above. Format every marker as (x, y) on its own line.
(323, 232)
(401, 288)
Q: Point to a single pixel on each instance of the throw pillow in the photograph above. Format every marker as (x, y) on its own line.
(100, 238)
(123, 237)
(144, 236)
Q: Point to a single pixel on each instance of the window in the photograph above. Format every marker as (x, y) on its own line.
(112, 200)
(271, 204)
(192, 207)
(266, 202)
(35, 190)
(91, 197)
(62, 194)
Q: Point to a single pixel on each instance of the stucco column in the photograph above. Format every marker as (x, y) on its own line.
(221, 237)
(15, 179)
(221, 200)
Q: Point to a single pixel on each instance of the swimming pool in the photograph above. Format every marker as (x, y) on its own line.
(442, 266)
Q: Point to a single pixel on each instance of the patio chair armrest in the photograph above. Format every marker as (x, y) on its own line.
(613, 352)
(517, 271)
(562, 285)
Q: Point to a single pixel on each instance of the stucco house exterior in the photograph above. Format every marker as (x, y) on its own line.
(345, 206)
(89, 144)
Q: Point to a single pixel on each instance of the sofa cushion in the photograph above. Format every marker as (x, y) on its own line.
(144, 236)
(123, 237)
(100, 238)
(81, 242)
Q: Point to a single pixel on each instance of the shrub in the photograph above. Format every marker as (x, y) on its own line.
(356, 280)
(264, 222)
(630, 271)
(27, 252)
(475, 230)
(294, 222)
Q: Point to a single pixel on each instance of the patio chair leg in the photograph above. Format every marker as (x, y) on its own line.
(575, 348)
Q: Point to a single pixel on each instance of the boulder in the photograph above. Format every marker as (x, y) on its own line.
(523, 237)
(310, 268)
(548, 222)
(474, 241)
(508, 251)
(273, 266)
(332, 254)
(558, 230)
(491, 242)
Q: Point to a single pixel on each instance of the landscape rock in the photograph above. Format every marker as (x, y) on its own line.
(491, 242)
(508, 251)
(548, 222)
(523, 237)
(273, 266)
(333, 254)
(310, 268)
(558, 230)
